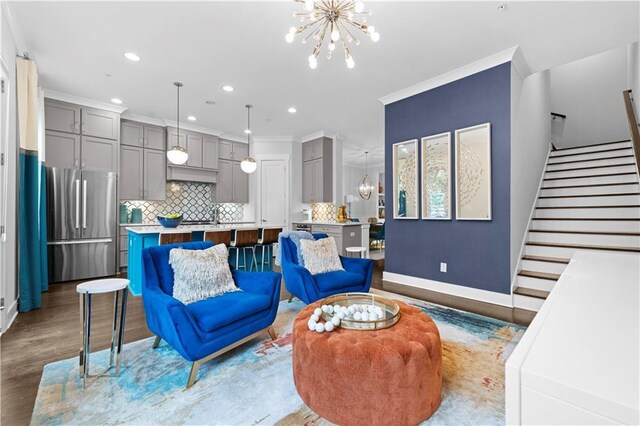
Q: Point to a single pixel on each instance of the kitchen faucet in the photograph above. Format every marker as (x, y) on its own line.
(215, 213)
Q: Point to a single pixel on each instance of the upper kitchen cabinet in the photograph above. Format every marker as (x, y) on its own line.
(143, 135)
(202, 164)
(100, 123)
(154, 137)
(99, 154)
(210, 152)
(63, 150)
(62, 117)
(235, 151)
(194, 148)
(317, 171)
(232, 185)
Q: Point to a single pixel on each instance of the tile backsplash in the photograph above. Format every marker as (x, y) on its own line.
(323, 212)
(193, 199)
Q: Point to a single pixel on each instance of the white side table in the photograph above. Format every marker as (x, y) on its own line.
(118, 286)
(360, 250)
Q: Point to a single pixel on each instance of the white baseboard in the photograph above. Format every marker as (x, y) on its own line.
(451, 289)
(12, 314)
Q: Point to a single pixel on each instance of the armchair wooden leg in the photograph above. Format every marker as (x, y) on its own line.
(290, 299)
(195, 366)
(272, 332)
(156, 342)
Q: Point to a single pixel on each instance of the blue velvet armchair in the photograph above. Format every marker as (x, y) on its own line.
(356, 276)
(205, 329)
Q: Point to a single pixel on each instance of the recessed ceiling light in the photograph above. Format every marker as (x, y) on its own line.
(227, 88)
(191, 118)
(292, 110)
(247, 131)
(116, 101)
(502, 7)
(132, 56)
(210, 102)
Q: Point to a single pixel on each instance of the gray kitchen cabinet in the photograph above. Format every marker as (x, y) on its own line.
(228, 150)
(210, 152)
(240, 151)
(224, 185)
(131, 133)
(240, 184)
(63, 149)
(100, 123)
(131, 179)
(317, 171)
(99, 154)
(154, 137)
(194, 148)
(173, 139)
(155, 178)
(61, 117)
(344, 235)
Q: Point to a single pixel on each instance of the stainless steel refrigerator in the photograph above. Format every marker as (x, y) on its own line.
(81, 224)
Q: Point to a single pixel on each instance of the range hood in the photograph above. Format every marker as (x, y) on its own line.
(191, 174)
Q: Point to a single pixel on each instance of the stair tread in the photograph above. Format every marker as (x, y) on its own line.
(622, 194)
(531, 292)
(591, 159)
(588, 146)
(592, 176)
(590, 167)
(584, 246)
(541, 275)
(591, 152)
(591, 185)
(614, 206)
(558, 231)
(546, 259)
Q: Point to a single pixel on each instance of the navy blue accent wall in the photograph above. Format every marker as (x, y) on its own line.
(477, 252)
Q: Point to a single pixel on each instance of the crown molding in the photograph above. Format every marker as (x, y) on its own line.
(520, 64)
(143, 119)
(64, 97)
(448, 77)
(286, 138)
(234, 138)
(15, 29)
(317, 135)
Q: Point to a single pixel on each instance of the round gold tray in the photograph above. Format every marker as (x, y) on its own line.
(390, 309)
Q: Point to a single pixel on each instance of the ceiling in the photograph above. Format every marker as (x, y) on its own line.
(79, 49)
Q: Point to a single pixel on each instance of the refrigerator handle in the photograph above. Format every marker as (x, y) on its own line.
(77, 203)
(84, 204)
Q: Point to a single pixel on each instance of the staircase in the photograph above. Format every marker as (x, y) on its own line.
(589, 200)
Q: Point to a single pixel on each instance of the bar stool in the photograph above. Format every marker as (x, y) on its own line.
(268, 237)
(360, 250)
(174, 237)
(219, 237)
(246, 239)
(120, 287)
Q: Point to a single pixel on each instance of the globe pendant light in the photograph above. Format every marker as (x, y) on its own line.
(177, 154)
(249, 165)
(365, 189)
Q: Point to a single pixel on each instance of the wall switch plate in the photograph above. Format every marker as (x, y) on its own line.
(443, 267)
(353, 234)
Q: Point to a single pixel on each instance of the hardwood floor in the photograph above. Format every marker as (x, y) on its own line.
(53, 333)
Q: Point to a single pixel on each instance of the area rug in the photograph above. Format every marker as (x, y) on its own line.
(253, 384)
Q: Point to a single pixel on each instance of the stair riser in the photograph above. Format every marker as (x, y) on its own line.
(566, 253)
(589, 239)
(598, 155)
(535, 283)
(587, 149)
(528, 303)
(587, 225)
(588, 172)
(594, 190)
(622, 212)
(537, 266)
(633, 178)
(622, 200)
(592, 163)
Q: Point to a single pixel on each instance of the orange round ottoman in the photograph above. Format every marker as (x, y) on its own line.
(386, 377)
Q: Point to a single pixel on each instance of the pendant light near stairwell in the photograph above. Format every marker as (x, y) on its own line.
(249, 165)
(365, 189)
(177, 154)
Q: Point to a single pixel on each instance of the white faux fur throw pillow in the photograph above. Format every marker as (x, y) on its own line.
(200, 274)
(320, 255)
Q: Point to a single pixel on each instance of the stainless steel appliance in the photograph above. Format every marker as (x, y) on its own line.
(81, 224)
(302, 227)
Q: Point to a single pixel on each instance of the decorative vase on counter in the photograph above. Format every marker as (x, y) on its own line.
(136, 215)
(342, 216)
(124, 214)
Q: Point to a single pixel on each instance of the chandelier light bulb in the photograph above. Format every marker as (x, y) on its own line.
(350, 16)
(292, 30)
(247, 131)
(309, 5)
(313, 62)
(335, 35)
(289, 37)
(375, 36)
(371, 29)
(359, 6)
(332, 46)
(350, 62)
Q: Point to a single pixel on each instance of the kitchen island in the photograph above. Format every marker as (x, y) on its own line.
(144, 236)
(347, 234)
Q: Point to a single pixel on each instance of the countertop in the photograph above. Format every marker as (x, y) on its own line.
(155, 229)
(157, 224)
(308, 222)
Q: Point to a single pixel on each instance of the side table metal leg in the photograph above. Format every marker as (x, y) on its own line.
(81, 351)
(114, 329)
(123, 314)
(87, 337)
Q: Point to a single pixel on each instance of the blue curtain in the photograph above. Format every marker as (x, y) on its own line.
(32, 236)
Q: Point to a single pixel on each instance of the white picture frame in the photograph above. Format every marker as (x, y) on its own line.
(473, 172)
(436, 165)
(405, 179)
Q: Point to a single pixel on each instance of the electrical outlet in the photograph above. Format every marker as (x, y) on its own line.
(443, 267)
(353, 234)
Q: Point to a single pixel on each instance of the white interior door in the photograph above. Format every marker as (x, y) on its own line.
(274, 192)
(4, 139)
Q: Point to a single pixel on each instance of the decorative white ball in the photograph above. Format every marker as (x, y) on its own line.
(371, 308)
(340, 315)
(329, 309)
(315, 317)
(337, 308)
(328, 326)
(378, 311)
(352, 309)
(365, 316)
(336, 321)
(319, 327)
(312, 324)
(317, 312)
(357, 316)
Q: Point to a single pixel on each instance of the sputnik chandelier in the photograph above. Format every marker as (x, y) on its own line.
(338, 18)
